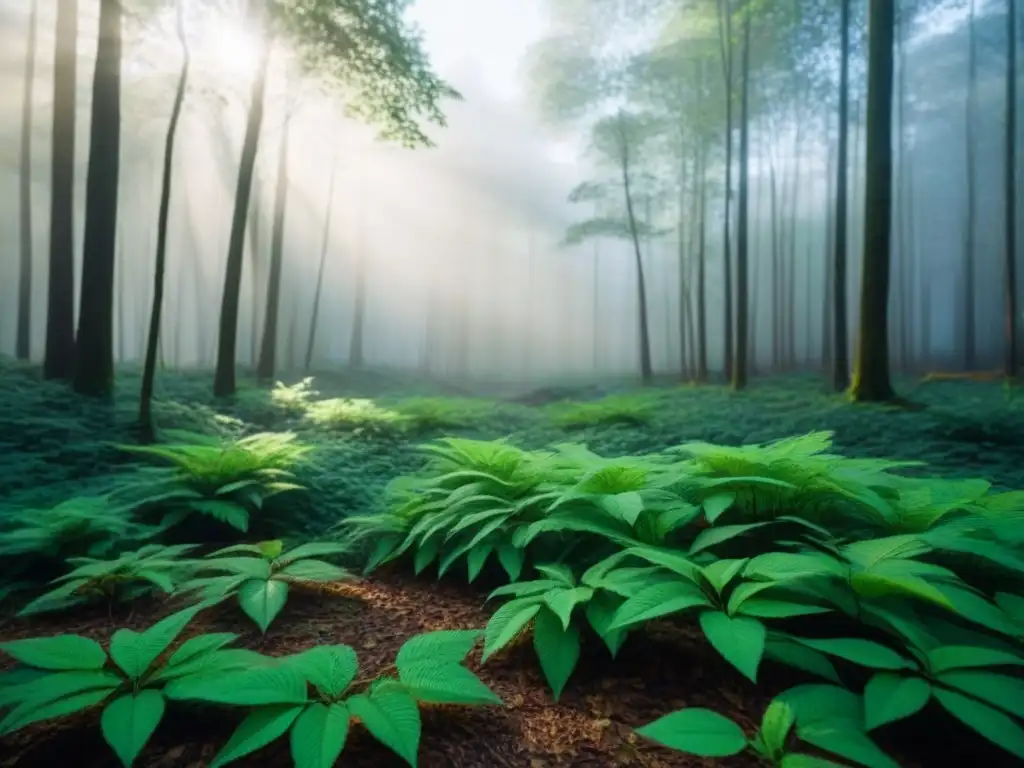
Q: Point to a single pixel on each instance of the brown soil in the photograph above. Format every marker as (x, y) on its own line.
(591, 727)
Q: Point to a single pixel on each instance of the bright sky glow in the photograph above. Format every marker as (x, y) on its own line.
(232, 47)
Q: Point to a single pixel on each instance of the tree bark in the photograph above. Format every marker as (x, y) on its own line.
(871, 382)
(840, 335)
(94, 346)
(23, 340)
(970, 299)
(725, 40)
(739, 370)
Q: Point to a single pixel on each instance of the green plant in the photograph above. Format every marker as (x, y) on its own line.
(261, 575)
(359, 416)
(632, 410)
(429, 670)
(130, 575)
(65, 674)
(423, 414)
(295, 398)
(225, 481)
(706, 733)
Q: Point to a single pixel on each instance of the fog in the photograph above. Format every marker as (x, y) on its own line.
(459, 246)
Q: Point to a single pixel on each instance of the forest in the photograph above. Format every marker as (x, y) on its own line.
(509, 385)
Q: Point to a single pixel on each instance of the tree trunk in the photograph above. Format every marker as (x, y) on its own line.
(227, 340)
(318, 291)
(59, 360)
(871, 371)
(702, 312)
(23, 341)
(739, 370)
(646, 370)
(840, 241)
(146, 424)
(1010, 197)
(827, 293)
(356, 356)
(970, 308)
(94, 346)
(268, 348)
(725, 40)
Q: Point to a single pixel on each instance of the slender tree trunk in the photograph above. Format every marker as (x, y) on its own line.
(324, 249)
(355, 348)
(828, 290)
(227, 340)
(268, 349)
(970, 299)
(701, 287)
(94, 347)
(146, 424)
(871, 380)
(776, 261)
(646, 370)
(739, 370)
(1010, 198)
(840, 239)
(59, 361)
(23, 341)
(725, 40)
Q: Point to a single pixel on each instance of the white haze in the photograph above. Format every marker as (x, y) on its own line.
(475, 222)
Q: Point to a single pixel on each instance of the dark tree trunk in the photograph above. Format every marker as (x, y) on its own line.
(970, 291)
(840, 334)
(646, 369)
(871, 380)
(160, 267)
(94, 346)
(268, 348)
(739, 371)
(59, 360)
(23, 341)
(1010, 197)
(725, 39)
(227, 340)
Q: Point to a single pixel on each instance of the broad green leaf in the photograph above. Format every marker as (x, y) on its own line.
(262, 686)
(658, 600)
(558, 572)
(442, 647)
(990, 723)
(767, 608)
(312, 549)
(134, 652)
(715, 506)
(798, 760)
(844, 738)
(787, 566)
(776, 724)
(62, 652)
(476, 559)
(511, 559)
(740, 640)
(319, 734)
(263, 600)
(721, 572)
(313, 570)
(712, 537)
(876, 585)
(129, 721)
(698, 732)
(526, 588)
(56, 685)
(564, 601)
(600, 613)
(799, 656)
(197, 646)
(863, 652)
(963, 656)
(259, 728)
(435, 682)
(816, 703)
(626, 506)
(889, 697)
(392, 716)
(557, 647)
(1000, 691)
(507, 622)
(331, 668)
(250, 567)
(30, 712)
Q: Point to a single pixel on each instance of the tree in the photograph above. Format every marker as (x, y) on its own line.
(324, 249)
(739, 370)
(1010, 196)
(59, 359)
(24, 329)
(367, 48)
(94, 346)
(840, 334)
(153, 338)
(871, 380)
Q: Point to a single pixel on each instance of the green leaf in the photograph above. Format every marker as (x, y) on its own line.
(799, 656)
(767, 608)
(198, 646)
(889, 697)
(507, 622)
(134, 652)
(776, 724)
(436, 682)
(988, 722)
(331, 668)
(715, 506)
(863, 652)
(32, 712)
(258, 729)
(442, 647)
(698, 732)
(476, 559)
(558, 572)
(818, 703)
(392, 716)
(562, 602)
(263, 600)
(1000, 691)
(129, 721)
(600, 613)
(626, 506)
(557, 647)
(262, 686)
(964, 656)
(313, 570)
(658, 600)
(312, 549)
(721, 572)
(798, 760)
(62, 652)
(740, 640)
(511, 559)
(712, 537)
(56, 685)
(845, 739)
(319, 734)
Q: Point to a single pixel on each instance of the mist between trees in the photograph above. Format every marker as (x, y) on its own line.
(487, 254)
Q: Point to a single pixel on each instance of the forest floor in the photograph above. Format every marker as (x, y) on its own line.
(53, 446)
